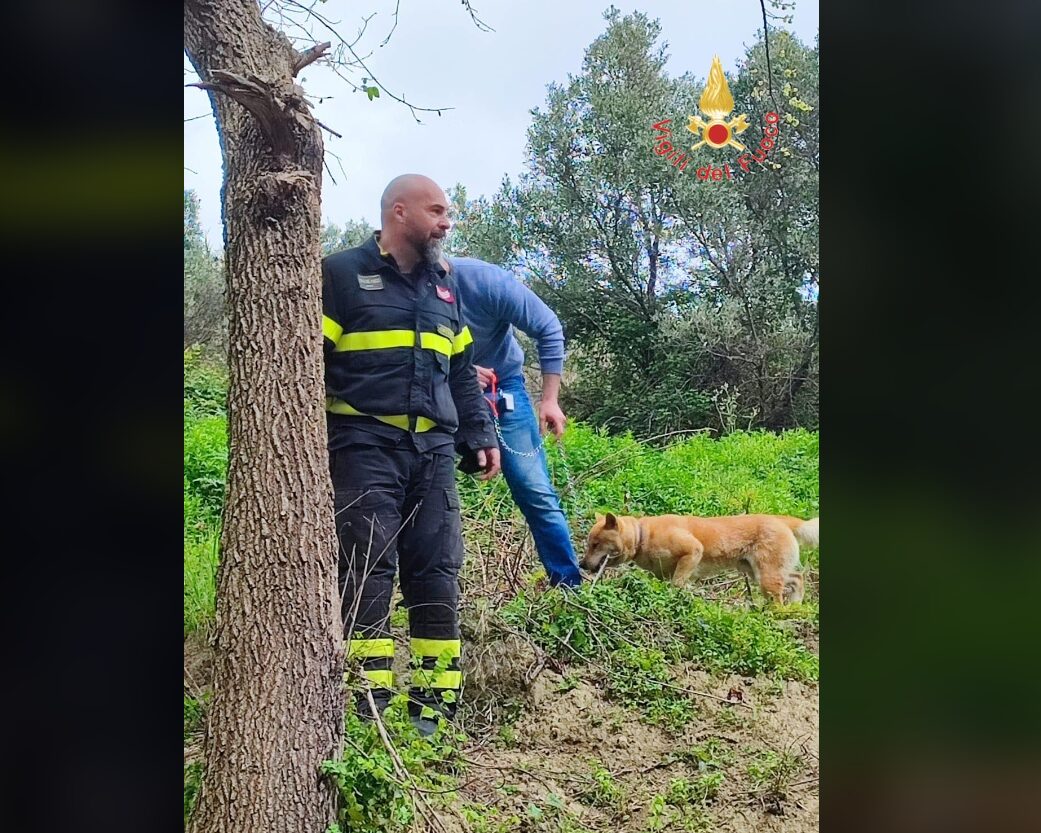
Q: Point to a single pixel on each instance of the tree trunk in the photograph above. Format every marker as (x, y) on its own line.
(277, 708)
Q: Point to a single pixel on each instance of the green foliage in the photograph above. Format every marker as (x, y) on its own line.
(485, 819)
(548, 815)
(774, 771)
(353, 233)
(700, 790)
(713, 754)
(192, 782)
(676, 808)
(604, 791)
(376, 791)
(205, 468)
(686, 304)
(205, 384)
(203, 283)
(743, 472)
(636, 629)
(193, 713)
(206, 461)
(201, 556)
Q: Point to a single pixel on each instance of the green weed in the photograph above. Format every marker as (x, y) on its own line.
(635, 628)
(378, 790)
(192, 782)
(774, 771)
(604, 791)
(200, 586)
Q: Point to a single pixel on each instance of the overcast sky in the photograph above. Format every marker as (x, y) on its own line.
(437, 57)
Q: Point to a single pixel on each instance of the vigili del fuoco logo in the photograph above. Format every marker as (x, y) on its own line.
(720, 131)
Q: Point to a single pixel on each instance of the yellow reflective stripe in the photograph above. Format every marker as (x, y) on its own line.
(330, 329)
(375, 340)
(370, 648)
(435, 647)
(338, 406)
(462, 341)
(438, 343)
(383, 679)
(424, 678)
(387, 339)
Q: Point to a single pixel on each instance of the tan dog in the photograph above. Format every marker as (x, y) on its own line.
(678, 547)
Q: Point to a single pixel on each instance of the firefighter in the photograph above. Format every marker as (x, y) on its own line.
(401, 398)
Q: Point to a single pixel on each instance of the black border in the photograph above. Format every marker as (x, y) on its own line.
(927, 480)
(93, 418)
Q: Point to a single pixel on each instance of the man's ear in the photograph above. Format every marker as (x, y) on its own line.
(611, 521)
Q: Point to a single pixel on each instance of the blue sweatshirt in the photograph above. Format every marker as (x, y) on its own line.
(493, 301)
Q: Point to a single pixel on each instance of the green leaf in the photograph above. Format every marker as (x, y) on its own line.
(372, 92)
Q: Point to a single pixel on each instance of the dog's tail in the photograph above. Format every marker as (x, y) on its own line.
(807, 533)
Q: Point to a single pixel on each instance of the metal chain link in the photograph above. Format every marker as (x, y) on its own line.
(535, 451)
(502, 441)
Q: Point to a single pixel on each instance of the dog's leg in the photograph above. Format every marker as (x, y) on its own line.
(771, 582)
(748, 590)
(688, 563)
(793, 585)
(793, 588)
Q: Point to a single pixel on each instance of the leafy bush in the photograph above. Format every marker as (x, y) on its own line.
(377, 791)
(205, 384)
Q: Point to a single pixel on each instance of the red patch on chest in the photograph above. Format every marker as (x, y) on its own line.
(445, 294)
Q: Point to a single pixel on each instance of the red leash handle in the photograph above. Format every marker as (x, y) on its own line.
(494, 397)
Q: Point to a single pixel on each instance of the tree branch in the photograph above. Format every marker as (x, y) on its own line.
(309, 56)
(261, 100)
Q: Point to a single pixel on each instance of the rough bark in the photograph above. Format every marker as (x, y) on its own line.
(277, 708)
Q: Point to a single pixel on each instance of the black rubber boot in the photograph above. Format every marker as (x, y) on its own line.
(380, 696)
(419, 701)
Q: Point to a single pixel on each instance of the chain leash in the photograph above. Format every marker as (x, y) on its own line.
(569, 480)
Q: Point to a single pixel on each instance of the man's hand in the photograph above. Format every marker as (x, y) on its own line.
(485, 375)
(488, 459)
(550, 416)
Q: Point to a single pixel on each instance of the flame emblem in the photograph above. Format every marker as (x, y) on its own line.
(717, 103)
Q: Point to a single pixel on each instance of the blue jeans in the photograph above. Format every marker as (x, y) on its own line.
(528, 479)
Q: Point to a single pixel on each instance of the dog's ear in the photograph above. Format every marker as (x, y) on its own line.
(598, 518)
(611, 522)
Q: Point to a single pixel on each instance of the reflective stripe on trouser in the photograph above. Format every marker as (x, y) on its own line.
(397, 505)
(376, 657)
(430, 686)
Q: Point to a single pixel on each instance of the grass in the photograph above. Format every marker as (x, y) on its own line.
(636, 631)
(205, 467)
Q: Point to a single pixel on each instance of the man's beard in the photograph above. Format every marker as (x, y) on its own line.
(432, 251)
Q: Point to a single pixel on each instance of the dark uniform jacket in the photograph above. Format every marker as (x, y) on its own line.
(398, 356)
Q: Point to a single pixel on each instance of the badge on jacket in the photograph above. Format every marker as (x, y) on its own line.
(370, 281)
(445, 294)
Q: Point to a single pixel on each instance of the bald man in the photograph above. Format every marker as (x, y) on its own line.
(401, 396)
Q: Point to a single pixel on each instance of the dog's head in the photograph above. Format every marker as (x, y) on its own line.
(605, 542)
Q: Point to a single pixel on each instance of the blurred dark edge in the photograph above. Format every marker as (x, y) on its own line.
(929, 452)
(91, 413)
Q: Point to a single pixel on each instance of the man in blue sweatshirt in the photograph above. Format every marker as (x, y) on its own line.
(492, 302)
